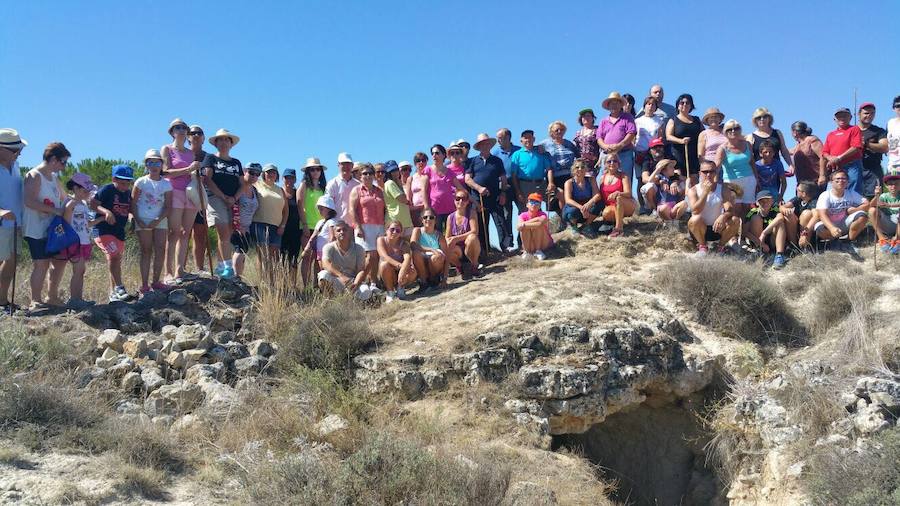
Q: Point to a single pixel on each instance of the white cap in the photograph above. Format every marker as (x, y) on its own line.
(344, 157)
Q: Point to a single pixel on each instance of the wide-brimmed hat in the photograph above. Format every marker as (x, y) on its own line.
(656, 142)
(193, 128)
(326, 201)
(764, 194)
(82, 180)
(313, 162)
(463, 143)
(345, 158)
(9, 138)
(222, 132)
(454, 146)
(760, 112)
(152, 154)
(483, 137)
(612, 96)
(175, 122)
(891, 178)
(269, 167)
(712, 111)
(662, 163)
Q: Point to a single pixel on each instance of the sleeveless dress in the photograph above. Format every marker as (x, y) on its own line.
(691, 130)
(774, 138)
(292, 239)
(35, 223)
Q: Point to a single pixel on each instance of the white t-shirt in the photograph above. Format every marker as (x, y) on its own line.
(80, 218)
(836, 207)
(324, 234)
(893, 136)
(152, 197)
(647, 128)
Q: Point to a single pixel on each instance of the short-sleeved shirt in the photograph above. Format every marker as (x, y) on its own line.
(800, 206)
(339, 191)
(613, 132)
(11, 193)
(837, 207)
(767, 218)
(562, 155)
(350, 263)
(487, 173)
(887, 198)
(770, 175)
(226, 174)
(395, 209)
(871, 159)
(527, 216)
(842, 139)
(271, 204)
(152, 197)
(119, 203)
(505, 157)
(893, 136)
(647, 129)
(530, 165)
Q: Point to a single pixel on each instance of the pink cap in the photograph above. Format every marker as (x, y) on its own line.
(866, 104)
(656, 142)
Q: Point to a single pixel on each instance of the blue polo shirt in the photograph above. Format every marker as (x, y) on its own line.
(505, 156)
(11, 193)
(487, 173)
(530, 165)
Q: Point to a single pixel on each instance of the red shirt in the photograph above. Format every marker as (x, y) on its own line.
(839, 141)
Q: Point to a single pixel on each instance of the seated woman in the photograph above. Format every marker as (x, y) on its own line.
(615, 187)
(462, 236)
(429, 249)
(767, 228)
(534, 227)
(663, 192)
(800, 214)
(583, 200)
(395, 266)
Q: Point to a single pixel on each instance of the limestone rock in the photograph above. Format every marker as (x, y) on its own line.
(261, 347)
(178, 297)
(198, 372)
(176, 360)
(162, 421)
(194, 357)
(108, 359)
(188, 337)
(870, 420)
(111, 338)
(236, 350)
(220, 399)
(331, 424)
(169, 331)
(174, 399)
(555, 382)
(131, 381)
(135, 347)
(224, 319)
(123, 366)
(152, 379)
(250, 365)
(186, 422)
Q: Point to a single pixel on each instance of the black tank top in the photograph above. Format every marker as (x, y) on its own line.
(293, 220)
(774, 138)
(691, 130)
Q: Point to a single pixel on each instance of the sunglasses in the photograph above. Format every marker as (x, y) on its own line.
(707, 172)
(316, 169)
(732, 130)
(368, 173)
(196, 133)
(395, 229)
(156, 163)
(379, 172)
(459, 199)
(426, 217)
(436, 153)
(11, 150)
(179, 128)
(253, 173)
(534, 202)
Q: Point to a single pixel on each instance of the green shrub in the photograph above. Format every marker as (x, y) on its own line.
(20, 351)
(867, 478)
(733, 297)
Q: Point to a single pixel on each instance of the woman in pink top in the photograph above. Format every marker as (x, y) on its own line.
(457, 162)
(615, 187)
(413, 187)
(713, 137)
(439, 185)
(367, 210)
(178, 163)
(462, 235)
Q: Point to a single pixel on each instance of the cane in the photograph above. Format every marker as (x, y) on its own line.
(875, 248)
(203, 205)
(484, 221)
(687, 164)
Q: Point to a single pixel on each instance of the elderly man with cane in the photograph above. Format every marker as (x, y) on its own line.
(10, 212)
(486, 177)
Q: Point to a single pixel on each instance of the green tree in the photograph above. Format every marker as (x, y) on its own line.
(100, 169)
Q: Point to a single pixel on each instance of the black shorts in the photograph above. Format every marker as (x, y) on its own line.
(38, 248)
(712, 235)
(242, 243)
(199, 219)
(291, 242)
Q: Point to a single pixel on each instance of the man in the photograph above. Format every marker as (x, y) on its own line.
(616, 134)
(875, 145)
(842, 211)
(10, 208)
(712, 208)
(343, 264)
(529, 169)
(340, 187)
(486, 176)
(504, 151)
(664, 111)
(843, 149)
(196, 138)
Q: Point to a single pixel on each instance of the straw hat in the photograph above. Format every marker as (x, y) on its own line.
(613, 96)
(175, 122)
(760, 112)
(9, 138)
(313, 162)
(223, 132)
(662, 163)
(712, 111)
(152, 154)
(483, 137)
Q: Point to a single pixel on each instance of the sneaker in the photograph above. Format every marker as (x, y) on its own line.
(605, 228)
(363, 292)
(374, 289)
(390, 296)
(778, 262)
(219, 270)
(227, 273)
(526, 255)
(702, 251)
(654, 214)
(115, 296)
(401, 292)
(884, 245)
(540, 255)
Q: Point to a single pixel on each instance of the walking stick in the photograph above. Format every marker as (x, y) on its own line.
(487, 241)
(687, 164)
(203, 205)
(875, 248)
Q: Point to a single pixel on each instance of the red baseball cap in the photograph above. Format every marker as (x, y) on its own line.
(656, 142)
(866, 104)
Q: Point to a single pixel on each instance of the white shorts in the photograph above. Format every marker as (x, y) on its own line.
(645, 188)
(371, 233)
(748, 185)
(843, 226)
(7, 238)
(363, 292)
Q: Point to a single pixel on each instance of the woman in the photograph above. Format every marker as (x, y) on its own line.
(439, 186)
(395, 267)
(628, 106)
(367, 210)
(292, 239)
(615, 189)
(311, 190)
(395, 197)
(224, 180)
(44, 198)
(462, 236)
(583, 200)
(457, 165)
(586, 139)
(648, 128)
(735, 159)
(563, 152)
(762, 120)
(242, 238)
(429, 249)
(379, 175)
(269, 220)
(684, 132)
(178, 164)
(806, 153)
(414, 189)
(710, 139)
(152, 197)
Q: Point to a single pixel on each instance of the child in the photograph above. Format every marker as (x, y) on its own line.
(322, 234)
(113, 200)
(770, 172)
(534, 227)
(152, 197)
(76, 214)
(888, 208)
(664, 193)
(767, 215)
(800, 214)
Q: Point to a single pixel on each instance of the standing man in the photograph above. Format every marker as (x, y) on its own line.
(196, 138)
(10, 208)
(843, 150)
(616, 134)
(530, 169)
(340, 187)
(486, 176)
(664, 111)
(504, 151)
(875, 145)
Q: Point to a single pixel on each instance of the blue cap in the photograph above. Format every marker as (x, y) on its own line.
(123, 172)
(289, 173)
(390, 166)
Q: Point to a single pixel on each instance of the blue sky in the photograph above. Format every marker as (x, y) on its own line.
(385, 79)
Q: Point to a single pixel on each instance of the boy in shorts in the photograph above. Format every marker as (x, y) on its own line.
(841, 210)
(885, 213)
(767, 227)
(113, 200)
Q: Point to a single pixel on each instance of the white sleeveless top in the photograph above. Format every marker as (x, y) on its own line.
(713, 207)
(35, 223)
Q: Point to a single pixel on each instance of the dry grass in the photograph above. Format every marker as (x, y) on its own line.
(143, 482)
(21, 350)
(148, 447)
(733, 441)
(812, 405)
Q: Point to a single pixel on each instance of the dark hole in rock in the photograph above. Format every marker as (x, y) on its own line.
(654, 454)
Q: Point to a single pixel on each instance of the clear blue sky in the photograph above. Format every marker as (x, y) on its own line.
(385, 79)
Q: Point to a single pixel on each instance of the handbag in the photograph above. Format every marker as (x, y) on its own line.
(192, 191)
(60, 235)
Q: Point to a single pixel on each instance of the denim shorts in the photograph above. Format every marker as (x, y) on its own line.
(265, 234)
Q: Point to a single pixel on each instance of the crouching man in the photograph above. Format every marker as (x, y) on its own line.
(841, 211)
(343, 264)
(712, 208)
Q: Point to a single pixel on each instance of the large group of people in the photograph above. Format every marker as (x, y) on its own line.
(384, 227)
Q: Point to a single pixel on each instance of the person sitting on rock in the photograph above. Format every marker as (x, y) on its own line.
(767, 227)
(887, 207)
(534, 227)
(800, 214)
(712, 209)
(842, 212)
(429, 248)
(462, 236)
(663, 192)
(395, 268)
(343, 264)
(584, 203)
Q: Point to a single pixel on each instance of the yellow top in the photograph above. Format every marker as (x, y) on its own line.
(271, 203)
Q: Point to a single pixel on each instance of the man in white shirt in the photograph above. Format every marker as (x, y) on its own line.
(841, 211)
(340, 187)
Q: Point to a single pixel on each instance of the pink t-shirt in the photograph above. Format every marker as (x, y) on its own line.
(418, 196)
(613, 133)
(440, 190)
(459, 172)
(180, 160)
(527, 216)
